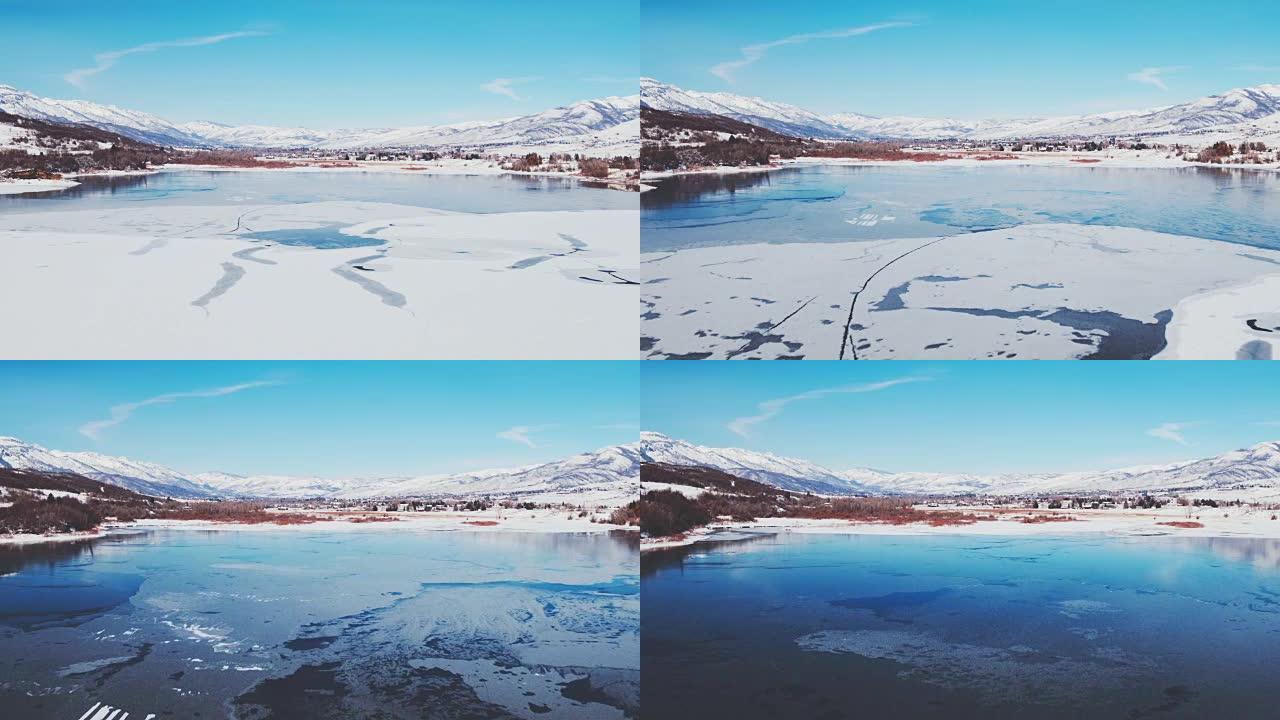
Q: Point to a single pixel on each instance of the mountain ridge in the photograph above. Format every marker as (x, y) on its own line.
(597, 121)
(1242, 113)
(606, 476)
(1255, 469)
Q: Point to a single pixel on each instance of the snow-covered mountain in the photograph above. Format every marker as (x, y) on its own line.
(609, 476)
(775, 116)
(1245, 113)
(1253, 471)
(786, 473)
(142, 477)
(606, 122)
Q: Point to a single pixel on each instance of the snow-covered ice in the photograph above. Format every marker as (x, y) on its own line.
(1033, 291)
(165, 282)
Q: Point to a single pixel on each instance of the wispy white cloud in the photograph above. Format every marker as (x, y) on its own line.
(769, 409)
(1171, 432)
(507, 86)
(1154, 76)
(120, 413)
(104, 61)
(752, 53)
(520, 434)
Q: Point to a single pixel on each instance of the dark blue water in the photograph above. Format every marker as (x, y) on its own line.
(461, 193)
(843, 203)
(316, 624)
(963, 627)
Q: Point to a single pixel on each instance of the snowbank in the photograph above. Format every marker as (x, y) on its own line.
(34, 539)
(17, 187)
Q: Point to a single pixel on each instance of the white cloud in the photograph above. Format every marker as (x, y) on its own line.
(506, 86)
(520, 434)
(1171, 432)
(120, 413)
(1153, 75)
(107, 59)
(752, 53)
(771, 408)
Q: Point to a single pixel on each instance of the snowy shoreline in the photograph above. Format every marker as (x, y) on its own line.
(1127, 159)
(446, 166)
(1233, 522)
(18, 187)
(509, 521)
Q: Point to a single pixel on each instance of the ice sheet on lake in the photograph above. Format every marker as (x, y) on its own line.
(1017, 674)
(1034, 291)
(161, 281)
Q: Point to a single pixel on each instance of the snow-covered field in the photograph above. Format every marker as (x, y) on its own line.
(1033, 291)
(493, 520)
(1244, 522)
(174, 282)
(520, 521)
(1111, 158)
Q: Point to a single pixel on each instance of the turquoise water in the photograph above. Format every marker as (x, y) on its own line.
(303, 623)
(841, 204)
(963, 627)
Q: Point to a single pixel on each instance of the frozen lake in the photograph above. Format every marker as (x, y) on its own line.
(459, 193)
(314, 624)
(962, 262)
(320, 265)
(961, 627)
(833, 203)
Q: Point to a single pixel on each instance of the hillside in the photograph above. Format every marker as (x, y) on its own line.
(607, 477)
(1248, 473)
(603, 126)
(677, 499)
(1243, 114)
(43, 148)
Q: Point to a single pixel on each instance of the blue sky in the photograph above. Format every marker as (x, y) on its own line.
(323, 63)
(973, 59)
(324, 418)
(971, 416)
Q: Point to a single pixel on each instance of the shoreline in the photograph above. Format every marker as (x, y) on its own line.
(543, 521)
(1133, 160)
(1235, 522)
(397, 167)
(22, 187)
